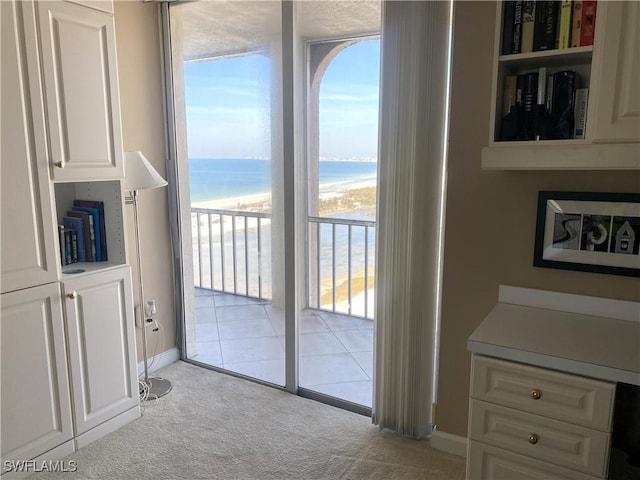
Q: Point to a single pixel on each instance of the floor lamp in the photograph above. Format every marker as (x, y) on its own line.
(140, 175)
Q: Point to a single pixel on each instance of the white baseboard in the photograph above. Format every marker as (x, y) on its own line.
(160, 361)
(450, 443)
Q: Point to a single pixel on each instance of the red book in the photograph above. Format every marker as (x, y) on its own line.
(588, 26)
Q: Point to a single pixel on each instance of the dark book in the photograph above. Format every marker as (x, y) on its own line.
(63, 256)
(517, 27)
(101, 231)
(587, 31)
(544, 37)
(74, 246)
(67, 246)
(529, 95)
(77, 225)
(508, 17)
(562, 114)
(89, 255)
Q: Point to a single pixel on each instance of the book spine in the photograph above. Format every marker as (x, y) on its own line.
(564, 83)
(587, 32)
(564, 25)
(580, 112)
(74, 246)
(529, 97)
(576, 23)
(63, 255)
(92, 233)
(545, 26)
(517, 28)
(508, 18)
(509, 93)
(528, 23)
(67, 246)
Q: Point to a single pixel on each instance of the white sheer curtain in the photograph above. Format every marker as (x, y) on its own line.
(415, 51)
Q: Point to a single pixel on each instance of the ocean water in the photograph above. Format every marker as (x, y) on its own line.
(214, 179)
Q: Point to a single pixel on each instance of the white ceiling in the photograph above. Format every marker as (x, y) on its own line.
(219, 27)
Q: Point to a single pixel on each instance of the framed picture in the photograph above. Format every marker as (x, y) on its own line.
(590, 232)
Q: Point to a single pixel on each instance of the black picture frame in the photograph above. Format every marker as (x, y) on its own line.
(588, 232)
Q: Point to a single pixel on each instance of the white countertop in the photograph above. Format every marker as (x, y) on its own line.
(589, 345)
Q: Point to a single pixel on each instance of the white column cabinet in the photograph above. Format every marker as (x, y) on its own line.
(36, 408)
(616, 108)
(28, 255)
(69, 370)
(101, 346)
(79, 68)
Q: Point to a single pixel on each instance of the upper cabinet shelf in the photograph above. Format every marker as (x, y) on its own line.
(567, 108)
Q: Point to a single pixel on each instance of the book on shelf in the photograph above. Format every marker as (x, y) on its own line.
(587, 29)
(576, 23)
(580, 112)
(517, 27)
(62, 243)
(508, 17)
(546, 19)
(100, 228)
(76, 225)
(528, 25)
(89, 236)
(562, 113)
(529, 94)
(564, 25)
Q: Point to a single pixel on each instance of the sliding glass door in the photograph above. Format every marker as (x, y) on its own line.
(227, 64)
(276, 107)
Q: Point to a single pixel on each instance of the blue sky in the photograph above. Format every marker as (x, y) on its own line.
(228, 105)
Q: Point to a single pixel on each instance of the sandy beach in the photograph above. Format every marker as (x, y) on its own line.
(339, 197)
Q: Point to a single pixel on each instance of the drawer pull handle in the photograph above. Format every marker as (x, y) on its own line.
(533, 438)
(536, 394)
(60, 164)
(72, 295)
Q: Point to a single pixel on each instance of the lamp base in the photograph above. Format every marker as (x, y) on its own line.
(158, 387)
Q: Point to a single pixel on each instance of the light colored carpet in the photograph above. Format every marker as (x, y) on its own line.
(216, 426)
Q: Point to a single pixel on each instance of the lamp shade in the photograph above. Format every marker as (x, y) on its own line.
(139, 174)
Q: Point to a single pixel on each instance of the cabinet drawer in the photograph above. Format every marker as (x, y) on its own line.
(556, 442)
(571, 398)
(485, 462)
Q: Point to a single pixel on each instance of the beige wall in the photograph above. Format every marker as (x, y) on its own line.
(141, 99)
(490, 218)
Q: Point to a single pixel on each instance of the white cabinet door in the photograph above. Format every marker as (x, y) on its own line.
(100, 328)
(81, 90)
(28, 254)
(614, 108)
(36, 407)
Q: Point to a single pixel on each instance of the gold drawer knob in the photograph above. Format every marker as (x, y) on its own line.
(59, 164)
(72, 295)
(533, 438)
(536, 394)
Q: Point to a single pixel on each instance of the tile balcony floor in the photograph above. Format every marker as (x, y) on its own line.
(246, 336)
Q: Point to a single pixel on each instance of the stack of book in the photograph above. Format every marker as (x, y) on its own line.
(529, 26)
(82, 235)
(543, 106)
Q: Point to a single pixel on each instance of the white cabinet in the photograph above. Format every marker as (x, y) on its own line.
(537, 421)
(78, 53)
(100, 327)
(28, 254)
(616, 67)
(610, 69)
(68, 364)
(36, 408)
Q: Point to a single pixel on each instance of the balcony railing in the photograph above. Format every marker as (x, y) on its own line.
(232, 254)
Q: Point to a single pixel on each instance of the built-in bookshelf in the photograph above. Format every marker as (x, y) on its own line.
(106, 194)
(545, 58)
